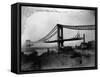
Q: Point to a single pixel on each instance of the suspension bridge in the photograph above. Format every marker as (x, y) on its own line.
(58, 29)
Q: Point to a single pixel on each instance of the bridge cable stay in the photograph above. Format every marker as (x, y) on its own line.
(45, 39)
(51, 36)
(48, 35)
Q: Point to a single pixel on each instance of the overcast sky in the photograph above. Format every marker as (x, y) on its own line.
(39, 21)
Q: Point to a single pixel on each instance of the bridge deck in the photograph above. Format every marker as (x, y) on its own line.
(72, 39)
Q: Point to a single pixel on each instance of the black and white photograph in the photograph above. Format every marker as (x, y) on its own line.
(57, 38)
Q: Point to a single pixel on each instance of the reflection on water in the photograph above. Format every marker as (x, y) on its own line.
(54, 60)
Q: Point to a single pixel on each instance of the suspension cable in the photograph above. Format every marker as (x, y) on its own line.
(48, 35)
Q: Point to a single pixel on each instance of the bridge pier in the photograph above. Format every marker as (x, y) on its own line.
(60, 36)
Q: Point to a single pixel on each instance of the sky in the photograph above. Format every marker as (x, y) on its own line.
(36, 22)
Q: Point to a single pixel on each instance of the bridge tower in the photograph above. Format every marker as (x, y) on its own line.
(60, 36)
(83, 38)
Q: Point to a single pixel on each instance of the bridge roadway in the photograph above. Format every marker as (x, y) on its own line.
(71, 39)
